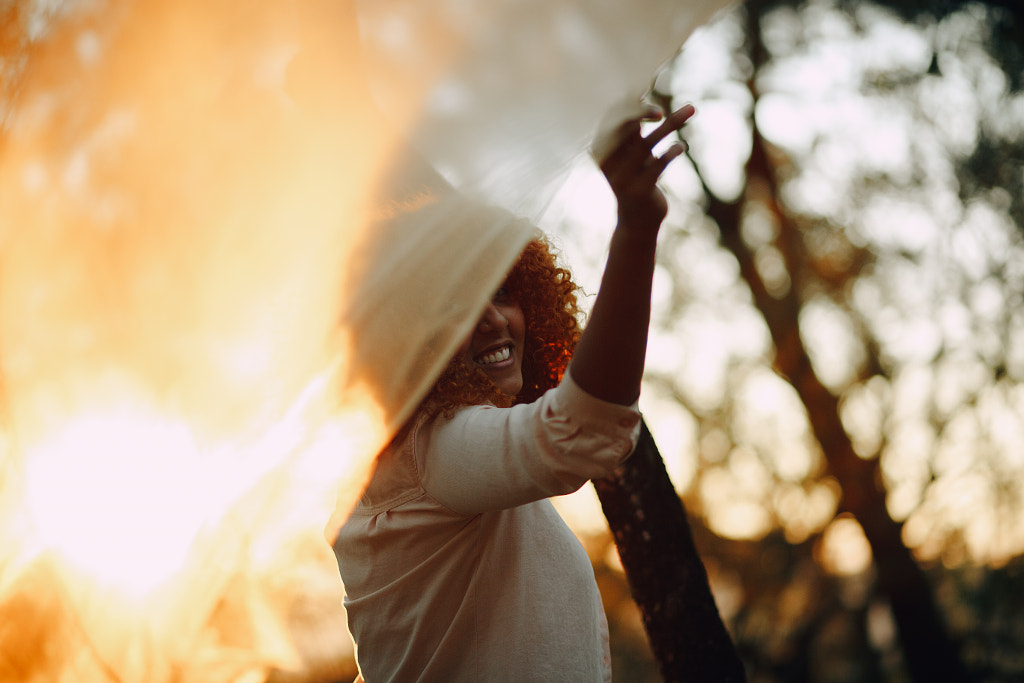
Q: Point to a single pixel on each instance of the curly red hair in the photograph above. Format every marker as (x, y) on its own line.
(547, 295)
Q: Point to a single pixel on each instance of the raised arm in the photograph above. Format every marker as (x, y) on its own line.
(609, 359)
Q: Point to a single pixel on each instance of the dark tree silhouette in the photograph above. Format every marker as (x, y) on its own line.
(665, 573)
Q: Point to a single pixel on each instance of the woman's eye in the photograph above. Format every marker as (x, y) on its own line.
(501, 295)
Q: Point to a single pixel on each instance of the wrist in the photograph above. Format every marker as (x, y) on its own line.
(636, 232)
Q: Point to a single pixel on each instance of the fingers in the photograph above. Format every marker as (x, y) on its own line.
(657, 165)
(633, 156)
(672, 123)
(631, 126)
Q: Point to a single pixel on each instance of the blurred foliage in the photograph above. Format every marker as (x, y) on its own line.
(794, 622)
(888, 228)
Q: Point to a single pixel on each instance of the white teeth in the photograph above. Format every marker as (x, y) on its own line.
(504, 353)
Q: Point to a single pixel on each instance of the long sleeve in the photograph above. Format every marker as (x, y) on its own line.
(488, 458)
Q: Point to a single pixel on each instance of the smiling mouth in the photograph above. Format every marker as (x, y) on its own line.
(496, 356)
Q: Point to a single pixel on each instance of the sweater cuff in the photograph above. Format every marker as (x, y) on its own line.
(596, 414)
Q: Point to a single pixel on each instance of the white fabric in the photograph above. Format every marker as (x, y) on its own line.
(499, 95)
(458, 568)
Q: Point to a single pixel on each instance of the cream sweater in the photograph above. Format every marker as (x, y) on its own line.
(457, 567)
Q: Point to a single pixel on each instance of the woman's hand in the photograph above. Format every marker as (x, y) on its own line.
(633, 170)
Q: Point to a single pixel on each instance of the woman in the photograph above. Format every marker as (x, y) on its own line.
(456, 566)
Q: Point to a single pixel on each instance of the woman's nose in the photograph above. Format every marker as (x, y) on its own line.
(492, 319)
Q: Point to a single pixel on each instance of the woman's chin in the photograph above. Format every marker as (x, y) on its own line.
(510, 386)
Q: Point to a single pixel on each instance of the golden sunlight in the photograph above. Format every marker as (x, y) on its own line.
(843, 549)
(178, 400)
(89, 476)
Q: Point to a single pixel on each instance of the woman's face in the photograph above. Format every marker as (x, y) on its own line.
(496, 343)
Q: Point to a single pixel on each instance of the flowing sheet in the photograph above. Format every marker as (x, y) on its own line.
(503, 94)
(237, 243)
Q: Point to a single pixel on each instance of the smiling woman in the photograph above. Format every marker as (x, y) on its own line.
(496, 346)
(521, 345)
(456, 566)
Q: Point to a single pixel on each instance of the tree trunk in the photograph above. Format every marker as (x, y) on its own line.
(929, 651)
(665, 572)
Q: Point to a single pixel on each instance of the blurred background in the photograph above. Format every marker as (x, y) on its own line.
(834, 376)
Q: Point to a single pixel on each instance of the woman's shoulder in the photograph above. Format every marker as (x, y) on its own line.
(395, 477)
